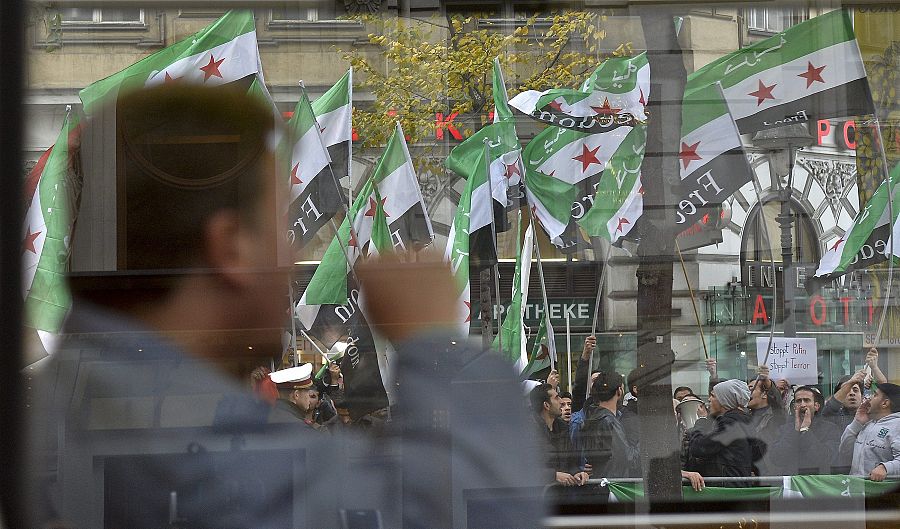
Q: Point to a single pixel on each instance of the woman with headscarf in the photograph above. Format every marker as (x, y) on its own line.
(725, 446)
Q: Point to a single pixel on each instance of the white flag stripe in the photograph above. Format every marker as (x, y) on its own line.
(714, 138)
(564, 165)
(306, 314)
(309, 157)
(401, 191)
(240, 60)
(415, 185)
(524, 276)
(552, 226)
(630, 210)
(337, 125)
(842, 65)
(34, 221)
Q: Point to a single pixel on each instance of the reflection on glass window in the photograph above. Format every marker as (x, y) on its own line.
(373, 264)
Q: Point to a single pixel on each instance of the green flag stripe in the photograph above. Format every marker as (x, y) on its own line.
(501, 99)
(616, 75)
(700, 107)
(393, 158)
(336, 97)
(303, 118)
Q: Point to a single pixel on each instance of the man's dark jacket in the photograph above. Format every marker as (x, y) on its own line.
(809, 452)
(605, 446)
(727, 447)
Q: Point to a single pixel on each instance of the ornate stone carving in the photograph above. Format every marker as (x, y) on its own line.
(362, 7)
(834, 176)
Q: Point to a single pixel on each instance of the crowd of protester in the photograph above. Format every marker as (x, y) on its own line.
(745, 428)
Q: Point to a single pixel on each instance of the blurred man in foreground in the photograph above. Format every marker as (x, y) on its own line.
(135, 420)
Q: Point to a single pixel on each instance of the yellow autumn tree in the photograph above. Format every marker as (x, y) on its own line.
(442, 66)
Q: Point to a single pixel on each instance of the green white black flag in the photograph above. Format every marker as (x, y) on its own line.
(223, 52)
(54, 192)
(866, 243)
(512, 336)
(809, 72)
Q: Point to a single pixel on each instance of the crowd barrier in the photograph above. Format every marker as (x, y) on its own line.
(762, 487)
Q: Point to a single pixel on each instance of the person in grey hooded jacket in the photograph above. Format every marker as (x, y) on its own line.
(874, 436)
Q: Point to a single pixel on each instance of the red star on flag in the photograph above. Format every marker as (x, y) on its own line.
(838, 243)
(468, 311)
(642, 100)
(812, 74)
(352, 242)
(28, 243)
(511, 170)
(555, 105)
(170, 79)
(212, 68)
(705, 219)
(373, 207)
(764, 92)
(295, 180)
(606, 109)
(322, 130)
(688, 154)
(587, 157)
(622, 222)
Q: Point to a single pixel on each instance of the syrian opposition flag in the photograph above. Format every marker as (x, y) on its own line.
(561, 166)
(53, 192)
(811, 71)
(614, 96)
(712, 163)
(505, 165)
(866, 243)
(542, 349)
(315, 195)
(512, 339)
(334, 113)
(471, 244)
(223, 52)
(393, 186)
(618, 202)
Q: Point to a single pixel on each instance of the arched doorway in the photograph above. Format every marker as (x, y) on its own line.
(761, 244)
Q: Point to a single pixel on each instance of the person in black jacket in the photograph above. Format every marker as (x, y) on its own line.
(602, 439)
(560, 458)
(809, 443)
(725, 446)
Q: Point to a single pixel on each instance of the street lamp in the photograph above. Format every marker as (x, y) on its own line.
(781, 145)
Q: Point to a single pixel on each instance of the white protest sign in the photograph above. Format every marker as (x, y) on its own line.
(792, 359)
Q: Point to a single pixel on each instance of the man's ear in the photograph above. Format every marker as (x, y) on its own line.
(223, 246)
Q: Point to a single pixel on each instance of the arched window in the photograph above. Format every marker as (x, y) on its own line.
(761, 241)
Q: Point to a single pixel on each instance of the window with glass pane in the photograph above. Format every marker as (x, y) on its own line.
(303, 12)
(772, 19)
(101, 15)
(608, 160)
